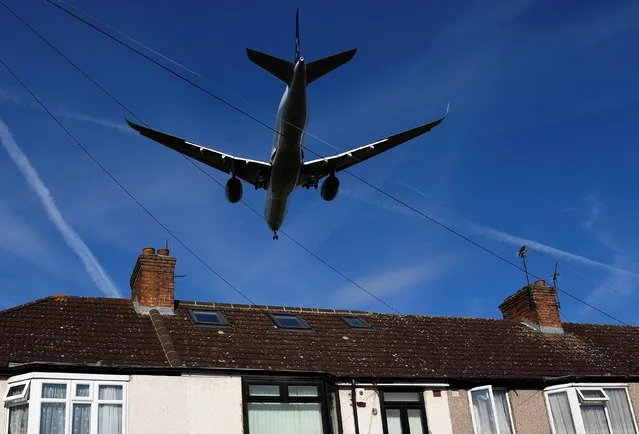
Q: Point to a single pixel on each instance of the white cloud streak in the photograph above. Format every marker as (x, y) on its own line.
(466, 225)
(73, 240)
(10, 97)
(394, 280)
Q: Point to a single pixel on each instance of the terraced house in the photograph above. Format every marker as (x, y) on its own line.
(154, 364)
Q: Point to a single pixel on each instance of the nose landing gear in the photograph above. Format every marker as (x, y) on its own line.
(275, 237)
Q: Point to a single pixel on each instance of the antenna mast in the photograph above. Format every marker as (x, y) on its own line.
(523, 251)
(555, 276)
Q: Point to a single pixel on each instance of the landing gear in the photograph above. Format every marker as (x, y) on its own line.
(275, 237)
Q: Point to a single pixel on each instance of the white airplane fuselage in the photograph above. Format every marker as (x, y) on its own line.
(287, 155)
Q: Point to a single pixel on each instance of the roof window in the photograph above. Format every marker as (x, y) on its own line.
(207, 317)
(289, 321)
(356, 322)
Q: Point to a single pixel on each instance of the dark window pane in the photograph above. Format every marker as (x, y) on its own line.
(356, 322)
(16, 390)
(290, 321)
(208, 317)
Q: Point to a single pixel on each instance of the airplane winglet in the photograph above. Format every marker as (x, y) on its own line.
(447, 109)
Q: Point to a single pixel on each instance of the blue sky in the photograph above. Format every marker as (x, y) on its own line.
(539, 148)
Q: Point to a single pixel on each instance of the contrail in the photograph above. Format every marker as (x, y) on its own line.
(91, 264)
(497, 235)
(13, 98)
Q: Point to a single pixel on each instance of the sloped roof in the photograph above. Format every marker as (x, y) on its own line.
(63, 329)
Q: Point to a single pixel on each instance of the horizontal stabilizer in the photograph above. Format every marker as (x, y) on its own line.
(321, 67)
(280, 68)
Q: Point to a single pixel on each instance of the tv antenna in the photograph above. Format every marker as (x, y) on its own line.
(555, 277)
(523, 251)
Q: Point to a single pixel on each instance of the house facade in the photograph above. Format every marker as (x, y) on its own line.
(154, 364)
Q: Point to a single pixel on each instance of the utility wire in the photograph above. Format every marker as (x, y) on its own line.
(379, 190)
(124, 107)
(307, 133)
(114, 179)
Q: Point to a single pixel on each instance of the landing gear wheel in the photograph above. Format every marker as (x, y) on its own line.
(275, 237)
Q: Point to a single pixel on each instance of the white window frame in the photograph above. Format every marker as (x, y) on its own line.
(35, 382)
(575, 401)
(492, 402)
(19, 397)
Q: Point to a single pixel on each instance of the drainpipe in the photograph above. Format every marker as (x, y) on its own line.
(354, 403)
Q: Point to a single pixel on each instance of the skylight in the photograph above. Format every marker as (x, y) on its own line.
(356, 322)
(207, 317)
(289, 321)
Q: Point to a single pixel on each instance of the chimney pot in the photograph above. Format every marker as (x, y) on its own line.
(163, 252)
(148, 251)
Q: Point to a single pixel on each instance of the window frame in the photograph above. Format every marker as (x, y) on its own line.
(403, 406)
(491, 393)
(302, 321)
(192, 312)
(366, 325)
(575, 403)
(324, 389)
(20, 397)
(38, 379)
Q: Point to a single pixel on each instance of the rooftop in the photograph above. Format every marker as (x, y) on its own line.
(113, 333)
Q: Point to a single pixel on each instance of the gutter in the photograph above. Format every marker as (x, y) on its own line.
(356, 383)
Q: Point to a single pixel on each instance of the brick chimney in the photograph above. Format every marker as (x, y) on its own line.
(536, 306)
(152, 281)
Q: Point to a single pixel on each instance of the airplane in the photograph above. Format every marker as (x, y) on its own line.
(286, 169)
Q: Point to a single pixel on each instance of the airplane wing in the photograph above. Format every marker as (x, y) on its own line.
(314, 170)
(252, 171)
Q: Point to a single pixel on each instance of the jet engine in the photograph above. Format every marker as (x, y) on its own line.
(233, 190)
(330, 187)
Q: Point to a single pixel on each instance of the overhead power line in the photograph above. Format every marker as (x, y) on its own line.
(374, 187)
(117, 101)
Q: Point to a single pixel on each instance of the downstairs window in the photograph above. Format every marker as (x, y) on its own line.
(597, 409)
(66, 404)
(281, 407)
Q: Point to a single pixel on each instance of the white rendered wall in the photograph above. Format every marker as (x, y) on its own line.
(437, 413)
(4, 414)
(185, 405)
(370, 416)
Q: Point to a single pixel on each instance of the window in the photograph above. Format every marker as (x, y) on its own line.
(356, 322)
(289, 321)
(576, 408)
(66, 404)
(403, 412)
(207, 317)
(490, 410)
(290, 407)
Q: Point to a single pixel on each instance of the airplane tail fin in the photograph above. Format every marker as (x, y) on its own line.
(298, 49)
(321, 67)
(280, 68)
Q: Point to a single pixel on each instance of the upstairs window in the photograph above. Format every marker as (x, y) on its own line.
(356, 322)
(289, 321)
(591, 409)
(490, 410)
(207, 317)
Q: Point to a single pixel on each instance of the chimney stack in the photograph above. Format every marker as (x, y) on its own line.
(536, 306)
(153, 281)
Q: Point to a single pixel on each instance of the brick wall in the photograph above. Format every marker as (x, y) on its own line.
(152, 281)
(535, 303)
